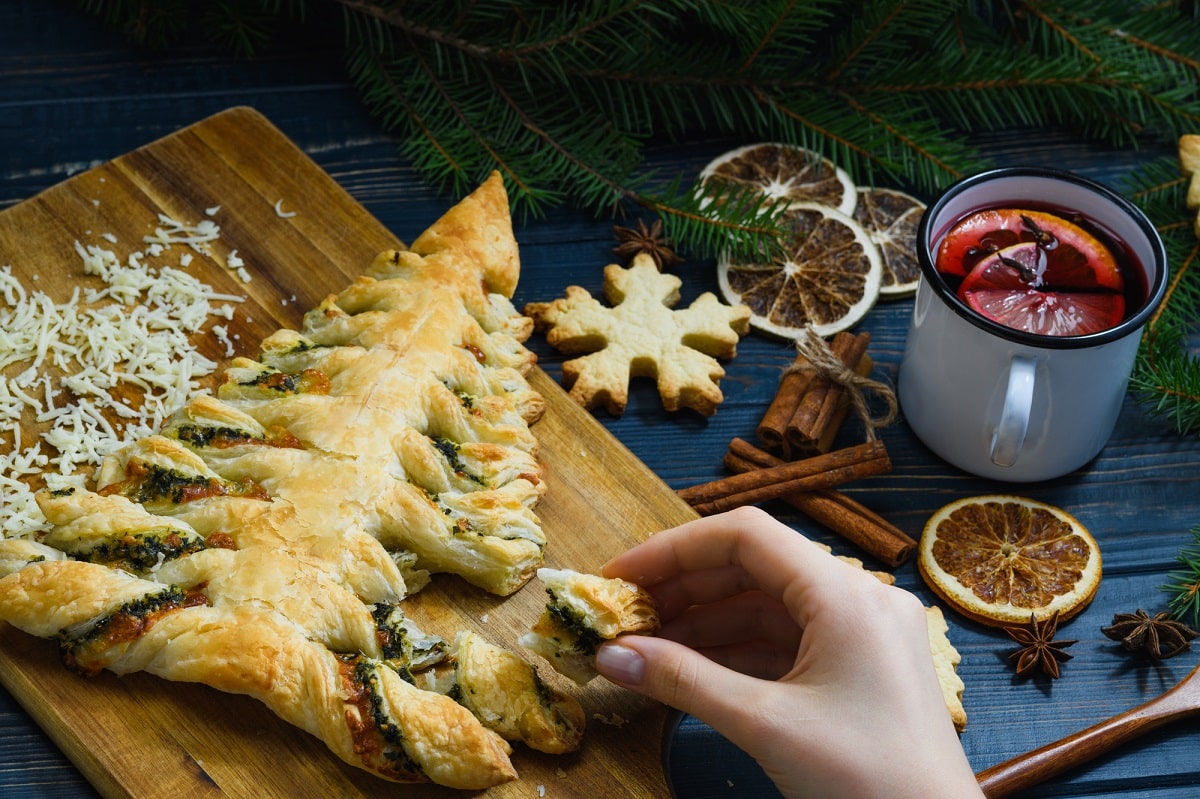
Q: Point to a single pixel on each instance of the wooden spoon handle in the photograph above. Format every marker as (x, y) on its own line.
(1027, 770)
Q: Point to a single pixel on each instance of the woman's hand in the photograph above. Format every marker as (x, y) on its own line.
(817, 669)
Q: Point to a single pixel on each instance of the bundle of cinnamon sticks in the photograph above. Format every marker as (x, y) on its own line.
(802, 423)
(809, 407)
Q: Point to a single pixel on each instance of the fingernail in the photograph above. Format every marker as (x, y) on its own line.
(621, 664)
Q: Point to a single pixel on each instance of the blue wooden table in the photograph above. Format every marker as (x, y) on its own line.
(73, 95)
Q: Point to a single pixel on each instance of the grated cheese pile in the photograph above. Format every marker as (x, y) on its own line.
(73, 365)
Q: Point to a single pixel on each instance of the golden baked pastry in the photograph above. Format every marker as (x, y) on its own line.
(505, 690)
(642, 335)
(361, 707)
(583, 611)
(263, 540)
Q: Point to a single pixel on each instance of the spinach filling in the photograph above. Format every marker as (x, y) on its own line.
(404, 647)
(201, 436)
(584, 640)
(149, 483)
(450, 451)
(123, 625)
(366, 673)
(143, 550)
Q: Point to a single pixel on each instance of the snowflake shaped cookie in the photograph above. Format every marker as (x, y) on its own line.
(642, 335)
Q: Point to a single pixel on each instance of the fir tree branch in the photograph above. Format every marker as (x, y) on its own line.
(768, 36)
(564, 99)
(1166, 379)
(1183, 583)
(1059, 28)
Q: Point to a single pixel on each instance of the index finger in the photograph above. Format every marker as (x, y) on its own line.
(776, 558)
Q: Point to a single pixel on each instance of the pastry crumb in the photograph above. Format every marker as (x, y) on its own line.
(615, 720)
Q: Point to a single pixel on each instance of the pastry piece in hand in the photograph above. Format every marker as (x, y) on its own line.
(583, 612)
(642, 336)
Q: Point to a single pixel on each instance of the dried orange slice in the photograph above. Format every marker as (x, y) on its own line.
(782, 172)
(828, 275)
(891, 218)
(998, 559)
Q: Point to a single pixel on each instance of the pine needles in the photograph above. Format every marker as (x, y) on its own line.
(565, 98)
(1183, 584)
(1166, 378)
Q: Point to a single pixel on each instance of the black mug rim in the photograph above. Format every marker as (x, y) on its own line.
(1157, 283)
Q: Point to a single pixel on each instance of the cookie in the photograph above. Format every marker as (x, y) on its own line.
(642, 335)
(945, 657)
(1189, 162)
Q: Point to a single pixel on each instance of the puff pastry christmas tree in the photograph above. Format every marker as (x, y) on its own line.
(264, 540)
(642, 335)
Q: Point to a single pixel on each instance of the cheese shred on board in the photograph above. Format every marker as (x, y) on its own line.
(72, 367)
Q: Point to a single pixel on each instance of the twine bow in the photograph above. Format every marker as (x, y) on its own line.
(823, 361)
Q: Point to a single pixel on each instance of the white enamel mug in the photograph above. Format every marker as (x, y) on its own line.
(1003, 403)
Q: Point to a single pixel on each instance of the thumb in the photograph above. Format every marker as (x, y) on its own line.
(678, 677)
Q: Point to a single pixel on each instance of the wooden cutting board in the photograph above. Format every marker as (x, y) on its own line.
(142, 737)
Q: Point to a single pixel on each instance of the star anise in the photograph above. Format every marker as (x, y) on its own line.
(1159, 636)
(648, 240)
(1038, 649)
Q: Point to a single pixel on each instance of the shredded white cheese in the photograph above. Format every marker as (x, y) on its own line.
(280, 212)
(103, 368)
(222, 334)
(199, 237)
(172, 231)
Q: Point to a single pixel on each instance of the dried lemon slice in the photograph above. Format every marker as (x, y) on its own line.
(998, 559)
(891, 218)
(783, 172)
(827, 276)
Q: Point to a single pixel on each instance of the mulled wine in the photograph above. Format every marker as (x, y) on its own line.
(1041, 270)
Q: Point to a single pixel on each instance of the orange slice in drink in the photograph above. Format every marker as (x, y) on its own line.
(1048, 313)
(1035, 272)
(998, 559)
(1075, 259)
(1020, 266)
(1010, 286)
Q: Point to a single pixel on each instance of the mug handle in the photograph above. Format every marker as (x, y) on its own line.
(1009, 434)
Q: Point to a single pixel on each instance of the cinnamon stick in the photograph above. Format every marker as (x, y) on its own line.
(828, 428)
(822, 471)
(773, 427)
(812, 423)
(833, 509)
